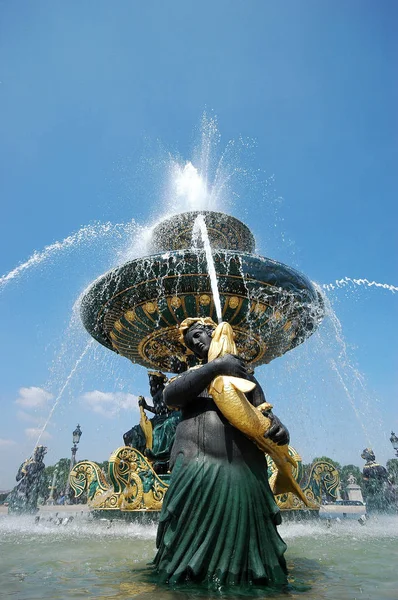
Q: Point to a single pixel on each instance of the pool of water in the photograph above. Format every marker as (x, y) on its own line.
(96, 559)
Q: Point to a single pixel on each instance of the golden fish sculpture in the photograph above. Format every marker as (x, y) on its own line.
(229, 395)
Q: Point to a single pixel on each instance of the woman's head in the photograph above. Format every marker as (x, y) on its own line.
(196, 335)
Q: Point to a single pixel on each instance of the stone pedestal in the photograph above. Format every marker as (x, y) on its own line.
(354, 492)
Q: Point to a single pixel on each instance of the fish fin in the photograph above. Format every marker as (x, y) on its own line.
(217, 385)
(283, 484)
(243, 385)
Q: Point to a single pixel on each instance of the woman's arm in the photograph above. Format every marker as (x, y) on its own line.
(188, 386)
(278, 433)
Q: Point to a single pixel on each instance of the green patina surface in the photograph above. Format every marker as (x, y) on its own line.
(135, 309)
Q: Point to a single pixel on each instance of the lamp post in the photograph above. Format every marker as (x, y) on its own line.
(50, 499)
(394, 442)
(76, 435)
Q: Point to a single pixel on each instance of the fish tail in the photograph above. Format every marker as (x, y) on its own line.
(283, 484)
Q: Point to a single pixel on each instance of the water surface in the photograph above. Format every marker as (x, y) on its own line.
(96, 559)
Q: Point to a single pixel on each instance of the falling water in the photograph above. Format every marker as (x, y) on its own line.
(207, 187)
(339, 283)
(87, 234)
(67, 382)
(201, 225)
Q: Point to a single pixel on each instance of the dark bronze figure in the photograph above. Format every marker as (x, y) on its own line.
(219, 516)
(378, 491)
(154, 437)
(30, 477)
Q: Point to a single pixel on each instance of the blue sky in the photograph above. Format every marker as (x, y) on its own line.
(95, 96)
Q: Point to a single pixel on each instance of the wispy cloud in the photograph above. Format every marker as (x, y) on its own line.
(22, 415)
(34, 432)
(109, 404)
(6, 443)
(33, 397)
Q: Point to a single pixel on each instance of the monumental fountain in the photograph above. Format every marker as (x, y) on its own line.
(105, 558)
(201, 264)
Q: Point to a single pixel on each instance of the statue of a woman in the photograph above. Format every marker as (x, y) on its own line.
(219, 517)
(23, 498)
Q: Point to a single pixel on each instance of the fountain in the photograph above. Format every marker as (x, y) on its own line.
(135, 309)
(202, 265)
(141, 325)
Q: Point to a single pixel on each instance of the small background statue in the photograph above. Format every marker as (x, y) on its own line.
(379, 493)
(31, 480)
(154, 437)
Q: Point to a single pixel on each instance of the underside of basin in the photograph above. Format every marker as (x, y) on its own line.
(135, 310)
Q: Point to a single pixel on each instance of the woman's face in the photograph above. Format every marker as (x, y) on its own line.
(198, 340)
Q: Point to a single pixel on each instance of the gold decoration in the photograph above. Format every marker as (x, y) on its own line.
(135, 485)
(146, 427)
(287, 326)
(150, 307)
(175, 302)
(233, 302)
(130, 315)
(229, 395)
(158, 374)
(187, 323)
(259, 308)
(204, 300)
(117, 325)
(87, 475)
(277, 315)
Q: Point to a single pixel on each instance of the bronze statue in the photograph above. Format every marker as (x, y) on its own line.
(378, 491)
(154, 437)
(219, 517)
(23, 498)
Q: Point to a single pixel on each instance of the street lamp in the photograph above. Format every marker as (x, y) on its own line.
(394, 442)
(76, 435)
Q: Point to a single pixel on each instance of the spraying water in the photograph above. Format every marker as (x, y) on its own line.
(86, 235)
(346, 281)
(200, 225)
(67, 382)
(209, 186)
(191, 186)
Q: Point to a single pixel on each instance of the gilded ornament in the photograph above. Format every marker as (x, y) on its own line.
(259, 308)
(150, 307)
(233, 302)
(204, 300)
(287, 326)
(175, 302)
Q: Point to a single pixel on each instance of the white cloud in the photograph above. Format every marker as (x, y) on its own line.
(109, 404)
(33, 397)
(22, 415)
(4, 443)
(34, 432)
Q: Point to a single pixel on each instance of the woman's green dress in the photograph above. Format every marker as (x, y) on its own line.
(219, 516)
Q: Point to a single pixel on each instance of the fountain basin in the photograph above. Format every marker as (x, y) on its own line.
(135, 309)
(224, 231)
